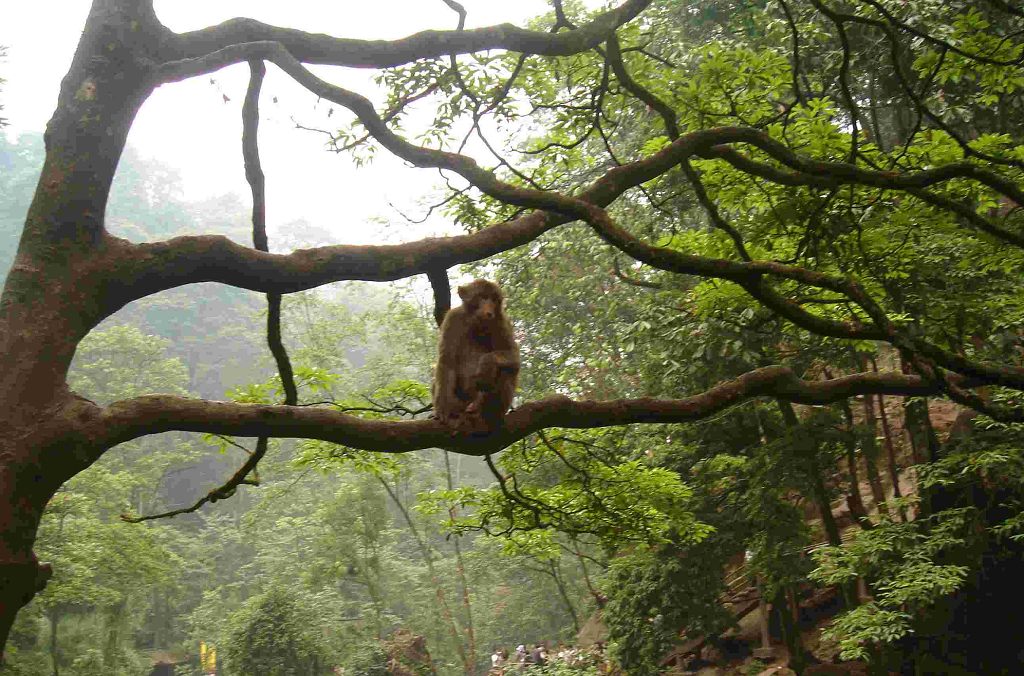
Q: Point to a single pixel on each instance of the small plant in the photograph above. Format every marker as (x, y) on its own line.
(754, 668)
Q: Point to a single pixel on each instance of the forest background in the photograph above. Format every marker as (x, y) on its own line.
(339, 548)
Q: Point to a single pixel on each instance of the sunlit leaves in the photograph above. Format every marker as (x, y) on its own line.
(564, 484)
(902, 561)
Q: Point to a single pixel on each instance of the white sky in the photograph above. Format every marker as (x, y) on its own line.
(190, 127)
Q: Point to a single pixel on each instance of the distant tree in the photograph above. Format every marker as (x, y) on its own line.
(272, 635)
(779, 172)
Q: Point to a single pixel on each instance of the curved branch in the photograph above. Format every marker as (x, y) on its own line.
(222, 492)
(700, 142)
(828, 174)
(132, 418)
(133, 271)
(706, 143)
(210, 49)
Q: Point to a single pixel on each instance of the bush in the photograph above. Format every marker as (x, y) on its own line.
(272, 635)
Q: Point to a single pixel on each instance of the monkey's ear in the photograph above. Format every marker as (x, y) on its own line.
(463, 292)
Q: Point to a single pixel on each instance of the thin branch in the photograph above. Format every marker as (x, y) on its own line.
(222, 492)
(633, 281)
(458, 9)
(255, 177)
(257, 184)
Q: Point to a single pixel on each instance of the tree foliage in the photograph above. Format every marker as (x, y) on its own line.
(271, 635)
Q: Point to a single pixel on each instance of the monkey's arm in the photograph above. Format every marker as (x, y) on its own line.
(505, 350)
(507, 360)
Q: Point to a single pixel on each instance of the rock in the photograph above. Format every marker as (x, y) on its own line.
(777, 671)
(710, 671)
(841, 669)
(710, 653)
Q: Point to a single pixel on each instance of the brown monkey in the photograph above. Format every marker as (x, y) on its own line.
(478, 361)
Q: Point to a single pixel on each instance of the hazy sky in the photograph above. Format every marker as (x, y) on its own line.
(190, 127)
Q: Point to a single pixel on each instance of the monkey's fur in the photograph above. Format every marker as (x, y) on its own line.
(478, 361)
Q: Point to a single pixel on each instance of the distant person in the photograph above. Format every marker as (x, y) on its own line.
(521, 654)
(498, 660)
(539, 656)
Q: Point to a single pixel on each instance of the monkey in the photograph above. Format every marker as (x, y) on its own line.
(478, 361)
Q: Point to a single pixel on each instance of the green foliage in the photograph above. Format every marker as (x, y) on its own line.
(273, 634)
(368, 659)
(755, 667)
(122, 362)
(652, 594)
(572, 490)
(562, 669)
(903, 564)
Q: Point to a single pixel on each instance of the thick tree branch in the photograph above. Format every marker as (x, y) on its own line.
(132, 418)
(143, 269)
(211, 49)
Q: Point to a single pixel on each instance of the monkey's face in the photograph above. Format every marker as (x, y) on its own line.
(483, 309)
(482, 300)
(486, 309)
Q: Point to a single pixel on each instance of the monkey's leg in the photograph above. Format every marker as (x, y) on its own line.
(448, 404)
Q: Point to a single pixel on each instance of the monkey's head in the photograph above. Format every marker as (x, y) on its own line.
(482, 300)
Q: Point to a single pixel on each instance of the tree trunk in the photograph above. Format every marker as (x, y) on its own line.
(890, 447)
(599, 598)
(435, 579)
(854, 501)
(790, 632)
(818, 490)
(57, 288)
(853, 498)
(115, 620)
(924, 442)
(871, 453)
(563, 592)
(54, 618)
(460, 570)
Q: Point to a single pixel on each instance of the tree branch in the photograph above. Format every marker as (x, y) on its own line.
(210, 49)
(132, 418)
(442, 292)
(711, 143)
